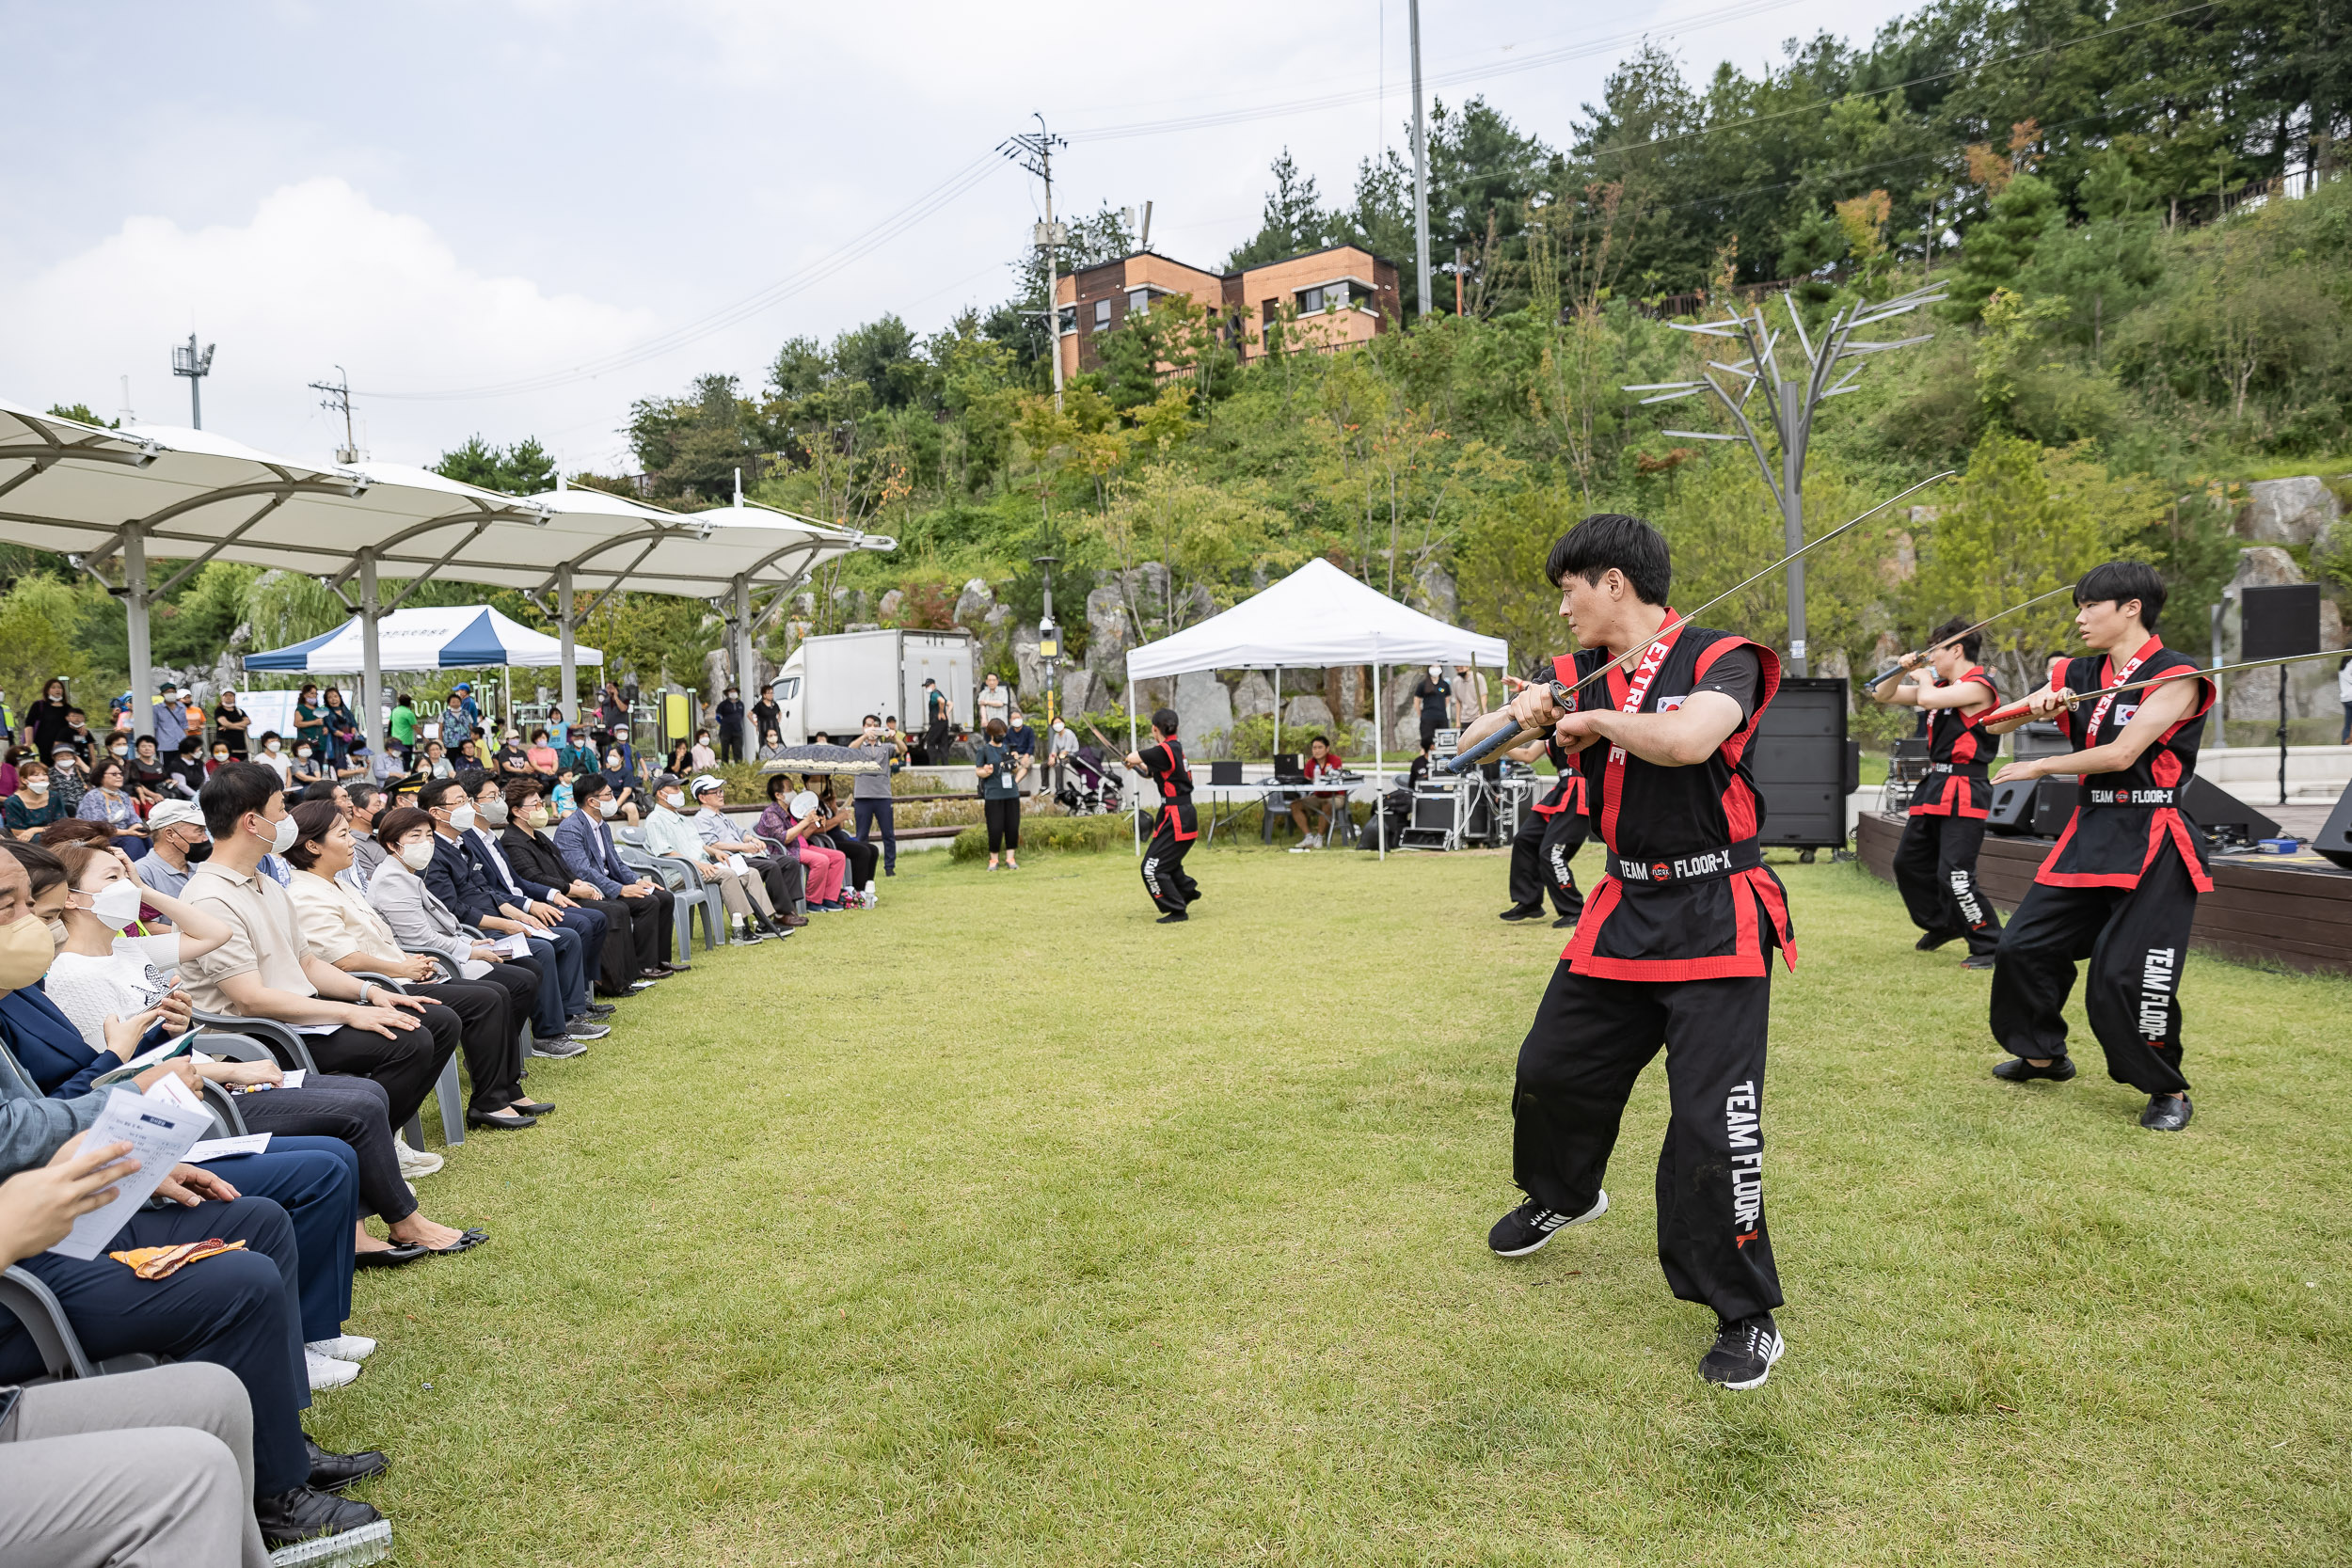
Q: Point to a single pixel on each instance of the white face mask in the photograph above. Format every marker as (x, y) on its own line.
(36, 787)
(116, 905)
(416, 856)
(121, 751)
(269, 745)
(605, 805)
(281, 835)
(302, 750)
(462, 818)
(495, 814)
(672, 798)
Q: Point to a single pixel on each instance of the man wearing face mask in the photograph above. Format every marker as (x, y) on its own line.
(585, 841)
(364, 803)
(179, 844)
(480, 845)
(528, 848)
(561, 1022)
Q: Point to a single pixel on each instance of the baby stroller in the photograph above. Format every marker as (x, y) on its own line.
(1087, 785)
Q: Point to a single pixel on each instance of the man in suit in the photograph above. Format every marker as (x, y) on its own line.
(584, 840)
(629, 948)
(481, 842)
(561, 1021)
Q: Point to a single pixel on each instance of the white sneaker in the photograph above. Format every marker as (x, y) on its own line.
(343, 1347)
(414, 1162)
(1301, 848)
(326, 1371)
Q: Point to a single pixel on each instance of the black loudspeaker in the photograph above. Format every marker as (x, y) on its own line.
(2334, 841)
(2040, 738)
(2279, 622)
(1798, 760)
(2210, 806)
(2013, 808)
(1434, 813)
(2053, 804)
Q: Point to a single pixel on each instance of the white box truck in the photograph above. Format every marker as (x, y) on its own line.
(830, 684)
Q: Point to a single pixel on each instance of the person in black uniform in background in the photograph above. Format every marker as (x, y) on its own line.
(1550, 833)
(2120, 886)
(1173, 830)
(1935, 865)
(1675, 945)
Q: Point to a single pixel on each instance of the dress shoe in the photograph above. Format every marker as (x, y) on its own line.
(2019, 1070)
(2165, 1113)
(506, 1120)
(794, 921)
(530, 1107)
(332, 1472)
(1524, 911)
(601, 1009)
(387, 1257)
(307, 1514)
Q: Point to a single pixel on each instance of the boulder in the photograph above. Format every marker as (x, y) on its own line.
(1081, 693)
(1434, 594)
(891, 602)
(1254, 696)
(974, 603)
(1029, 665)
(1306, 714)
(1108, 635)
(2294, 511)
(1203, 706)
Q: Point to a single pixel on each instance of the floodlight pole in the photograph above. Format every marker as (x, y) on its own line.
(1789, 403)
(1420, 172)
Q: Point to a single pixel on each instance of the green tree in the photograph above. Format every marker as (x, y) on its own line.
(39, 621)
(523, 470)
(1997, 248)
(1295, 221)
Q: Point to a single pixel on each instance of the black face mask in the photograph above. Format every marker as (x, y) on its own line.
(201, 852)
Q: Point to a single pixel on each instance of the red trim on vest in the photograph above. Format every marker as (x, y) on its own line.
(2164, 829)
(1747, 961)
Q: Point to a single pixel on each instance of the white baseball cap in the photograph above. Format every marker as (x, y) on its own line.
(175, 813)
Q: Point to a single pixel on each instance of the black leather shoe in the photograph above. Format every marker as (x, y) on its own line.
(332, 1472)
(1522, 912)
(601, 1009)
(2019, 1070)
(306, 1513)
(506, 1120)
(2165, 1113)
(1935, 940)
(387, 1257)
(530, 1107)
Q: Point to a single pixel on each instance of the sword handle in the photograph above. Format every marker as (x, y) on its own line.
(1503, 740)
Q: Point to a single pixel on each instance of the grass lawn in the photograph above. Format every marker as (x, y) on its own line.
(1002, 1226)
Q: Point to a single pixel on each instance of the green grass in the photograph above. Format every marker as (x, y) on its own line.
(1002, 1226)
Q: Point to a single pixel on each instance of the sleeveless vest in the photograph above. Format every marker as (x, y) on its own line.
(2123, 821)
(1958, 783)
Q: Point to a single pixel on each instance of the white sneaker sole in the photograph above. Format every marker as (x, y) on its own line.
(1601, 1207)
(1780, 1347)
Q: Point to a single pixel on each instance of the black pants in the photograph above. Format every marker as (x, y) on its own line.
(1936, 868)
(1590, 1040)
(2137, 940)
(730, 743)
(862, 856)
(356, 1110)
(493, 1009)
(407, 1064)
(1164, 875)
(1540, 852)
(1004, 822)
(866, 812)
(935, 742)
(617, 962)
(783, 878)
(652, 925)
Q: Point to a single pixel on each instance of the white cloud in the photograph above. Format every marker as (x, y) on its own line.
(319, 276)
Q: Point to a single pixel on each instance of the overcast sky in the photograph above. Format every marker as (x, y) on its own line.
(594, 201)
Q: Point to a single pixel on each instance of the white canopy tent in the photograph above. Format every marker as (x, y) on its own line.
(1316, 618)
(441, 637)
(110, 500)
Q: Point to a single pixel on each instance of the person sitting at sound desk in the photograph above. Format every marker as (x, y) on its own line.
(1320, 763)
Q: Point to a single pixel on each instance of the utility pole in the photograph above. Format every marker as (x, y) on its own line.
(1789, 403)
(196, 367)
(1420, 172)
(1034, 152)
(1048, 635)
(339, 399)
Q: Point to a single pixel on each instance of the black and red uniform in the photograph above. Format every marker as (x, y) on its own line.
(2118, 889)
(1172, 831)
(1549, 836)
(1675, 949)
(1935, 865)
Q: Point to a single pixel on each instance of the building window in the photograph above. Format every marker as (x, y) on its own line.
(1138, 299)
(1101, 315)
(1309, 302)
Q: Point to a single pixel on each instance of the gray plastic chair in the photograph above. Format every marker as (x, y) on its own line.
(691, 892)
(37, 1308)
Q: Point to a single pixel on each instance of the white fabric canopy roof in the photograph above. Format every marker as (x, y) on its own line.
(1316, 618)
(445, 637)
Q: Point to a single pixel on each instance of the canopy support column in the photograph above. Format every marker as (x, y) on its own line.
(134, 597)
(566, 632)
(1379, 752)
(1133, 750)
(746, 666)
(370, 656)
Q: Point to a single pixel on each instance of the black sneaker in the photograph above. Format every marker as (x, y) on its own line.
(1172, 918)
(1935, 940)
(1976, 960)
(1527, 1227)
(2165, 1113)
(601, 1009)
(1744, 1352)
(2019, 1070)
(332, 1472)
(307, 1514)
(1524, 911)
(1567, 922)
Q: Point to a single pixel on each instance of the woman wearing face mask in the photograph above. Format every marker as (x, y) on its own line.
(185, 768)
(30, 809)
(340, 726)
(310, 719)
(308, 767)
(231, 724)
(628, 803)
(109, 804)
(435, 763)
(222, 756)
(702, 755)
(46, 716)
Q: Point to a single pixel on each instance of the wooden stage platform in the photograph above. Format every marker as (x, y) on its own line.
(2291, 910)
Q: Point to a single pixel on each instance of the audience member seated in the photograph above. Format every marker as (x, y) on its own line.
(770, 747)
(31, 808)
(108, 803)
(342, 929)
(1323, 805)
(540, 755)
(561, 1022)
(668, 832)
(177, 843)
(633, 943)
(367, 803)
(823, 866)
(584, 839)
(835, 827)
(481, 844)
(718, 831)
(512, 760)
(247, 1311)
(150, 776)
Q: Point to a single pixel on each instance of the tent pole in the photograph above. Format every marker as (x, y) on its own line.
(1379, 754)
(567, 632)
(370, 657)
(1278, 710)
(1131, 751)
(746, 672)
(134, 608)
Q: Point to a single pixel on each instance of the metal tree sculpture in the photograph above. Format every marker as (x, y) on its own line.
(1791, 404)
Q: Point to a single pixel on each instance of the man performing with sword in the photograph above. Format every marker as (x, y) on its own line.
(1674, 947)
(1548, 837)
(1935, 865)
(1175, 828)
(2120, 886)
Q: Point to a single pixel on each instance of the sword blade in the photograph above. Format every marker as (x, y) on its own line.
(2018, 709)
(1896, 669)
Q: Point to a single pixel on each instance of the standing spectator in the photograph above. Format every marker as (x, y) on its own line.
(729, 718)
(2343, 695)
(766, 716)
(343, 727)
(231, 724)
(1000, 772)
(8, 718)
(585, 843)
(473, 708)
(1021, 742)
(996, 702)
(456, 726)
(79, 736)
(44, 716)
(310, 719)
(869, 793)
(67, 782)
(612, 719)
(31, 808)
(170, 718)
(176, 841)
(404, 730)
(1436, 695)
(934, 723)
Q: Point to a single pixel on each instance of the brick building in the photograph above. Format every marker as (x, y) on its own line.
(1344, 294)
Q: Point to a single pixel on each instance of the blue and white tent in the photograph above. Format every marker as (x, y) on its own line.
(453, 636)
